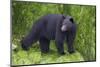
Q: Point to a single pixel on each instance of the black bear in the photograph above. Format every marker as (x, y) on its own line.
(52, 27)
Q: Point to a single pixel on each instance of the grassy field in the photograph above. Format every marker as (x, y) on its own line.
(24, 14)
(34, 56)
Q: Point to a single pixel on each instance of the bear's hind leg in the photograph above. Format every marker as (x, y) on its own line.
(44, 45)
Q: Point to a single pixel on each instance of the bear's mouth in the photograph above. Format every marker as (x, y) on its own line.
(63, 28)
(24, 47)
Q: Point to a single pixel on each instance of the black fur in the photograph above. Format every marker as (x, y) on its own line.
(49, 28)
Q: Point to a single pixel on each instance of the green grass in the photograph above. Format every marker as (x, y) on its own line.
(34, 56)
(24, 14)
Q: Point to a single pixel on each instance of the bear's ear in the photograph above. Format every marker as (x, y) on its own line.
(63, 16)
(71, 19)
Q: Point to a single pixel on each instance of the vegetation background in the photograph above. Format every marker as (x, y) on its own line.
(24, 14)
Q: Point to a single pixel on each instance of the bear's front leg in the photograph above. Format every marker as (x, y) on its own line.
(60, 47)
(70, 39)
(60, 42)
